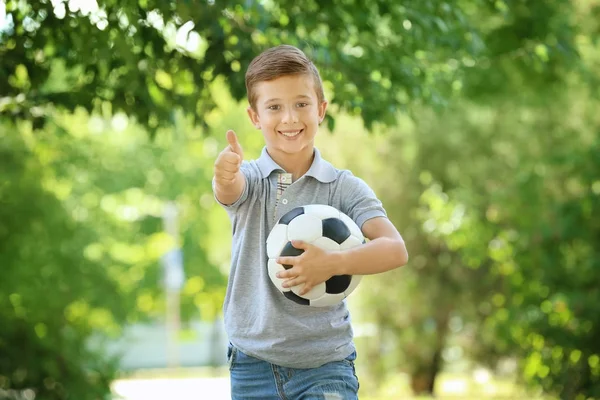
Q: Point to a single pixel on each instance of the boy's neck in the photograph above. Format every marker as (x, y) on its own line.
(296, 164)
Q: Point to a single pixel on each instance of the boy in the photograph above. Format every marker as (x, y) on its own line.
(279, 349)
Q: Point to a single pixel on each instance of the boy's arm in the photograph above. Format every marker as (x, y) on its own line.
(229, 181)
(385, 251)
(229, 193)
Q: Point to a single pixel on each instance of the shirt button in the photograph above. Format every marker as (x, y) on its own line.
(284, 201)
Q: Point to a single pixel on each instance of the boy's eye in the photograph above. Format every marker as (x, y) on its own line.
(302, 105)
(274, 107)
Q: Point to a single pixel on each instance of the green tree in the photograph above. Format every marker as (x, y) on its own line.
(441, 157)
(529, 226)
(82, 239)
(52, 296)
(525, 219)
(143, 57)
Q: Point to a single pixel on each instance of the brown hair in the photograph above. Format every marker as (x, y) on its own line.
(280, 61)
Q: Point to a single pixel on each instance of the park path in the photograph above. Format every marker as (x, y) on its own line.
(172, 388)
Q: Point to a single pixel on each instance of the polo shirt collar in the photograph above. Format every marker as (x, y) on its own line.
(320, 169)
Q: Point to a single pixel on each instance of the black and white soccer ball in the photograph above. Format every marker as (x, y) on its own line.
(325, 227)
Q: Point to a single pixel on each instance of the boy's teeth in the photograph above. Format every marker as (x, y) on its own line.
(290, 134)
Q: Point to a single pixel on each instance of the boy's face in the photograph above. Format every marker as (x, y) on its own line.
(288, 113)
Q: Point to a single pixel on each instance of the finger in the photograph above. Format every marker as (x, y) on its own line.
(307, 288)
(227, 167)
(299, 244)
(224, 177)
(286, 261)
(234, 144)
(230, 157)
(287, 274)
(290, 283)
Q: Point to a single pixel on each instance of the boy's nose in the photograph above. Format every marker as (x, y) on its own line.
(290, 117)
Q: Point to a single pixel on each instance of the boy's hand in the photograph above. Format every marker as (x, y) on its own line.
(229, 161)
(312, 267)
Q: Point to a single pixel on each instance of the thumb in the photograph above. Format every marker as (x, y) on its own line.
(234, 144)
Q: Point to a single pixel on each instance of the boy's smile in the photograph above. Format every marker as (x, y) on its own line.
(291, 134)
(288, 113)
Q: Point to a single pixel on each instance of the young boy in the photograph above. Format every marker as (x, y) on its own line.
(279, 349)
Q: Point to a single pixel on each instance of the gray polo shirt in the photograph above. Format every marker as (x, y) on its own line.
(259, 320)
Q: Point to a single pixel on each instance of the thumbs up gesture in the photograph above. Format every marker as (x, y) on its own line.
(234, 145)
(229, 179)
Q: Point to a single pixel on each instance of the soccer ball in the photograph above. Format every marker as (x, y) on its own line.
(325, 227)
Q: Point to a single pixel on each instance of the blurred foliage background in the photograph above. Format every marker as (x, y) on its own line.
(479, 129)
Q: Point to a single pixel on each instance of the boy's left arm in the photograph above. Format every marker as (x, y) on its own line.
(384, 251)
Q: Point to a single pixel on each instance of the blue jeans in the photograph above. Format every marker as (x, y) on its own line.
(254, 379)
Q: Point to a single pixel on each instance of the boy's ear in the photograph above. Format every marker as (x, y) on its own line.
(322, 110)
(253, 117)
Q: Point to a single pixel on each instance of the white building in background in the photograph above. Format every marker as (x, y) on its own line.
(143, 346)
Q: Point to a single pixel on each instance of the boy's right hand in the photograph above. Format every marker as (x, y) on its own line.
(229, 161)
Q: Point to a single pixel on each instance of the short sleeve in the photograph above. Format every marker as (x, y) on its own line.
(358, 200)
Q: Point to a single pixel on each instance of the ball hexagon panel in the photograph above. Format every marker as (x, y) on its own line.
(273, 268)
(326, 244)
(313, 294)
(276, 240)
(351, 242)
(305, 227)
(328, 300)
(321, 211)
